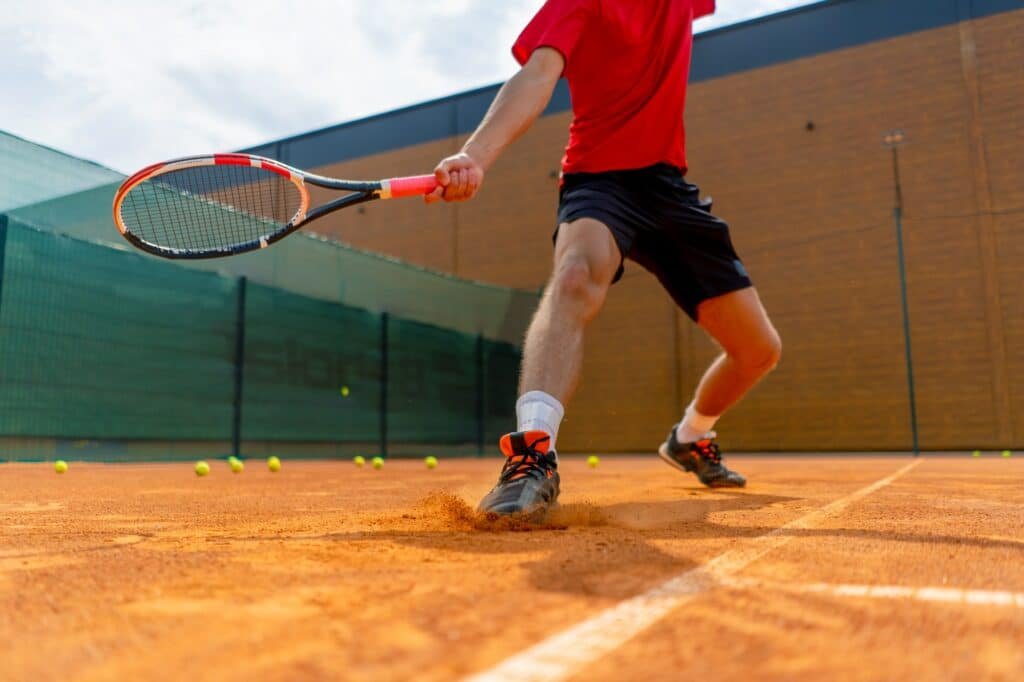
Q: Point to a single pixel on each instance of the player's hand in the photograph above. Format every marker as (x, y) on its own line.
(458, 179)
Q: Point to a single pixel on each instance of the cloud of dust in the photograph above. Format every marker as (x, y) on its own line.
(454, 513)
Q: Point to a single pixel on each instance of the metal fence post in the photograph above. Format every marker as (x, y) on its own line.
(384, 385)
(236, 426)
(481, 381)
(3, 249)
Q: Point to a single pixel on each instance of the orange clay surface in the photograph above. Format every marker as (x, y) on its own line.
(325, 571)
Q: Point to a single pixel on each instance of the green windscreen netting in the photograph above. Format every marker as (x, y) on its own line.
(99, 344)
(323, 269)
(500, 388)
(312, 369)
(311, 343)
(30, 173)
(431, 371)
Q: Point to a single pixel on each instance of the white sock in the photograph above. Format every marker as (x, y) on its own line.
(694, 425)
(538, 411)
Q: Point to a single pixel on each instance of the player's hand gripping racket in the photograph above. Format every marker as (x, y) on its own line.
(224, 204)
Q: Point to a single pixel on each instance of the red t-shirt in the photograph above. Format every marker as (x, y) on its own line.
(627, 63)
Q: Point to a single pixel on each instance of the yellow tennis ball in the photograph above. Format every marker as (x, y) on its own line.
(344, 391)
(202, 468)
(236, 465)
(60, 466)
(976, 453)
(1007, 453)
(359, 461)
(593, 461)
(273, 463)
(378, 462)
(431, 462)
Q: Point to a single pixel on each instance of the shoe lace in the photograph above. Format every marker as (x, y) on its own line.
(525, 463)
(708, 450)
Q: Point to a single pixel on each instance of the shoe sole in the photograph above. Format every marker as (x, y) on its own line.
(726, 484)
(668, 459)
(533, 514)
(536, 514)
(539, 514)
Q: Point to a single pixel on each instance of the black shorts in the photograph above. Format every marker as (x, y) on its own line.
(658, 221)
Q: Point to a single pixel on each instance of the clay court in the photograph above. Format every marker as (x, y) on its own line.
(822, 568)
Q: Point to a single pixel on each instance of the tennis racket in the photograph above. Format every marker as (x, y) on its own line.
(225, 204)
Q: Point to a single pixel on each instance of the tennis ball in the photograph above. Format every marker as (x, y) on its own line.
(60, 466)
(378, 462)
(1007, 453)
(273, 463)
(359, 461)
(976, 453)
(202, 468)
(236, 465)
(430, 461)
(344, 391)
(593, 461)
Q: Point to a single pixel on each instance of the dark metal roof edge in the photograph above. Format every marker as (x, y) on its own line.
(986, 8)
(811, 6)
(464, 94)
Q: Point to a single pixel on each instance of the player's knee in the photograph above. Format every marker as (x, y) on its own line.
(762, 354)
(574, 281)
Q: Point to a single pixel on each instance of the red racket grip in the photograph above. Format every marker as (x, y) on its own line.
(415, 185)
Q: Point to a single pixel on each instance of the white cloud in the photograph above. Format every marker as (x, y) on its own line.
(128, 82)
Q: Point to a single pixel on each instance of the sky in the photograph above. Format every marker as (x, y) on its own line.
(126, 83)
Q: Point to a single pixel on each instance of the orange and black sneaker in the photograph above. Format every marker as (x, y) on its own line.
(702, 458)
(528, 485)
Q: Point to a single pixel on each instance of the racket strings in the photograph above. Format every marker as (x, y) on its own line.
(206, 208)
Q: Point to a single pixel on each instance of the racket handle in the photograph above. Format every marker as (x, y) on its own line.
(416, 185)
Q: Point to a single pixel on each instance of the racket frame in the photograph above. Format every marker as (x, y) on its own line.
(361, 192)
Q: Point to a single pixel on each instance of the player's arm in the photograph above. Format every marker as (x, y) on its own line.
(518, 104)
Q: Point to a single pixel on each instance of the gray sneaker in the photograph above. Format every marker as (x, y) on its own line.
(529, 482)
(701, 457)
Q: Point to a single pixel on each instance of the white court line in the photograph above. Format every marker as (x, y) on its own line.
(949, 595)
(565, 653)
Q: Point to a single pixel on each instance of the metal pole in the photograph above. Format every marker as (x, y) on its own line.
(3, 249)
(893, 140)
(236, 426)
(384, 385)
(481, 378)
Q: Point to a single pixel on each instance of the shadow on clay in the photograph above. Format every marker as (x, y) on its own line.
(605, 550)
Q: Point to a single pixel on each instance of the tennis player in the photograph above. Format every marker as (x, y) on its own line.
(623, 195)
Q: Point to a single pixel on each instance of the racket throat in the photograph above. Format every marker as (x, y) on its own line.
(299, 218)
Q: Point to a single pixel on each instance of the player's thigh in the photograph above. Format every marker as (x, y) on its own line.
(740, 324)
(588, 242)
